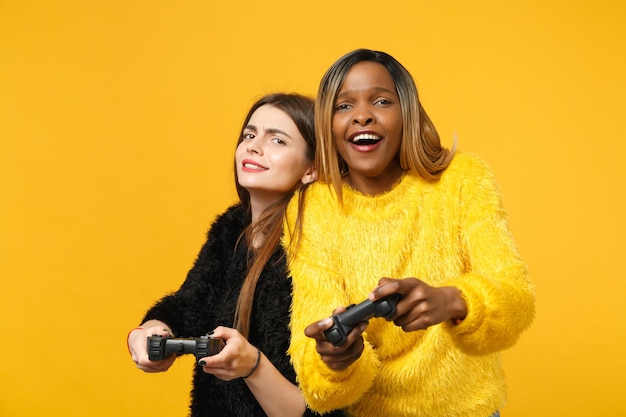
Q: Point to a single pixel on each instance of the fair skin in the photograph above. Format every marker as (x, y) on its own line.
(271, 161)
(271, 158)
(367, 129)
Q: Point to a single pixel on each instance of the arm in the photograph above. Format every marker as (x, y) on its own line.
(177, 308)
(188, 311)
(491, 301)
(325, 387)
(316, 292)
(276, 395)
(499, 296)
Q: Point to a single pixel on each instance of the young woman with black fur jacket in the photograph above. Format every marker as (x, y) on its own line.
(239, 288)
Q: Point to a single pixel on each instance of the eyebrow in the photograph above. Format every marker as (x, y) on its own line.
(377, 89)
(271, 130)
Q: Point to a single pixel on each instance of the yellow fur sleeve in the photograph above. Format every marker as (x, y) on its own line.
(316, 294)
(499, 295)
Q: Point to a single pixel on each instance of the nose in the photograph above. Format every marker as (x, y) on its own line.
(363, 116)
(254, 146)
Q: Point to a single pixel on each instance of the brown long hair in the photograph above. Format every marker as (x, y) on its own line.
(420, 149)
(269, 224)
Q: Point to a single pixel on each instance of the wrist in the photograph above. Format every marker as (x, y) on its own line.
(256, 364)
(458, 306)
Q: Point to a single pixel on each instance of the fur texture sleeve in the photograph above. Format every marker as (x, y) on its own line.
(499, 295)
(316, 294)
(188, 310)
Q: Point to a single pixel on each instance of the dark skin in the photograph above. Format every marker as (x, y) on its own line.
(420, 307)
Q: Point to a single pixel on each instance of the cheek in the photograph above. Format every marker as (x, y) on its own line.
(337, 130)
(299, 166)
(290, 162)
(394, 127)
(398, 123)
(340, 145)
(239, 151)
(337, 126)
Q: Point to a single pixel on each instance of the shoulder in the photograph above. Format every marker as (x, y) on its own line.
(472, 180)
(229, 223)
(467, 171)
(467, 163)
(317, 194)
(235, 213)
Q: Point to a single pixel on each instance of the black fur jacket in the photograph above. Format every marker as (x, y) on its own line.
(207, 299)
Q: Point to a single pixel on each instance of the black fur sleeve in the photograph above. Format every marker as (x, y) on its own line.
(188, 311)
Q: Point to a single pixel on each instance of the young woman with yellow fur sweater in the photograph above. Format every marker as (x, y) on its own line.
(395, 212)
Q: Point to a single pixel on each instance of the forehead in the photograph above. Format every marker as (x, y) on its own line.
(368, 75)
(269, 113)
(270, 117)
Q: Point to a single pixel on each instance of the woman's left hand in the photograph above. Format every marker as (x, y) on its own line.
(235, 360)
(421, 305)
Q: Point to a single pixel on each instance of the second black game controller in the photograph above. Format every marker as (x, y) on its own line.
(160, 347)
(357, 313)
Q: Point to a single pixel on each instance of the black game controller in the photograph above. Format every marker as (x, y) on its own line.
(160, 347)
(357, 313)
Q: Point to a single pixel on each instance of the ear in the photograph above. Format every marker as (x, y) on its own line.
(309, 175)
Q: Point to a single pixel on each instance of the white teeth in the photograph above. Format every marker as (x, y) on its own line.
(253, 166)
(365, 136)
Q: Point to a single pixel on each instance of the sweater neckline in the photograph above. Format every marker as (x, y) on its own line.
(356, 198)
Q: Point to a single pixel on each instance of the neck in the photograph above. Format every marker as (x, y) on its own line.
(256, 211)
(258, 204)
(373, 185)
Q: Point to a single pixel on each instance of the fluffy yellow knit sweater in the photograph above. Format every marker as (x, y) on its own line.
(449, 232)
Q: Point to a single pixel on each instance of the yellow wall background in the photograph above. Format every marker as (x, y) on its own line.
(117, 125)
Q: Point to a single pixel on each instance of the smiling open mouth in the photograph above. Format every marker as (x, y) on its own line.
(251, 166)
(365, 139)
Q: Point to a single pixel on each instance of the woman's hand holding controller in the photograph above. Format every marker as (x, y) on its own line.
(344, 355)
(138, 347)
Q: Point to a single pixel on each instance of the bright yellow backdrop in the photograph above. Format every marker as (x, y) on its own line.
(117, 125)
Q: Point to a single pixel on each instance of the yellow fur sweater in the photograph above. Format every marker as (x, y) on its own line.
(449, 232)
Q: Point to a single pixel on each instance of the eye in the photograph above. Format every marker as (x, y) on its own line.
(342, 106)
(279, 141)
(247, 136)
(382, 102)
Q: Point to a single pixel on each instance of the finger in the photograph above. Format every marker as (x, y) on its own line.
(157, 330)
(413, 320)
(223, 332)
(355, 336)
(155, 366)
(223, 358)
(386, 286)
(325, 348)
(316, 330)
(352, 344)
(340, 357)
(384, 281)
(339, 310)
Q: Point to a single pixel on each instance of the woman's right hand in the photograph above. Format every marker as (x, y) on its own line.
(337, 357)
(138, 346)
